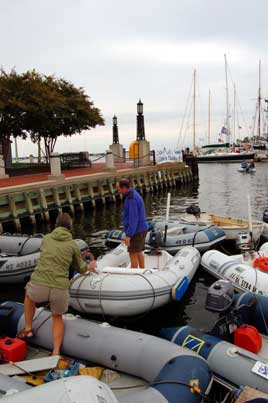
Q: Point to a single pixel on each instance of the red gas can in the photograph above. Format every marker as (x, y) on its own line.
(12, 349)
(248, 337)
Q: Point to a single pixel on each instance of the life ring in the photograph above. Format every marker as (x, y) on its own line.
(261, 263)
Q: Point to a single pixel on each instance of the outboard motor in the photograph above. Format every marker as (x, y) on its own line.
(220, 296)
(155, 239)
(243, 241)
(265, 215)
(221, 299)
(194, 209)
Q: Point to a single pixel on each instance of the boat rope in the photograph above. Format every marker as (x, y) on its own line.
(73, 280)
(100, 301)
(194, 389)
(22, 246)
(224, 250)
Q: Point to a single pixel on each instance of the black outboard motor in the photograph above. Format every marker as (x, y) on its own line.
(221, 299)
(155, 239)
(194, 209)
(265, 215)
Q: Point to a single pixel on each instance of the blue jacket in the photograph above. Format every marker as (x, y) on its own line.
(134, 214)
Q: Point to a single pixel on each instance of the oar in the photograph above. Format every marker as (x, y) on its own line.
(250, 230)
(167, 216)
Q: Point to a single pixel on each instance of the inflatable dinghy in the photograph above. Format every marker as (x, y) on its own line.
(19, 255)
(183, 235)
(169, 371)
(232, 227)
(247, 170)
(78, 389)
(118, 290)
(239, 269)
(178, 236)
(233, 348)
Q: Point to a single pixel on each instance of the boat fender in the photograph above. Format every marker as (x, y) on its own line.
(180, 289)
(261, 263)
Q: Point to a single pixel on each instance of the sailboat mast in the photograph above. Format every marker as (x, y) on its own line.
(234, 113)
(259, 104)
(209, 100)
(227, 102)
(194, 133)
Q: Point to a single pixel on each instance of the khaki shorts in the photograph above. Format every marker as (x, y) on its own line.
(58, 298)
(137, 242)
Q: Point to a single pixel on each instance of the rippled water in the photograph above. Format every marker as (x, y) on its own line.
(221, 189)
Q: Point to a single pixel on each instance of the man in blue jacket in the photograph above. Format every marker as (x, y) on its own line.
(134, 221)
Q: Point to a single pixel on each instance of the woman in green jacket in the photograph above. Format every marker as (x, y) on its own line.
(50, 280)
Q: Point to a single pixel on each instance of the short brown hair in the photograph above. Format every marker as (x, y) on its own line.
(124, 183)
(64, 220)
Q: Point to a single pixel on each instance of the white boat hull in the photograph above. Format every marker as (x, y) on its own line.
(119, 291)
(231, 231)
(235, 269)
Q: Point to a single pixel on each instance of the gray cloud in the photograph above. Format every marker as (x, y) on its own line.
(123, 50)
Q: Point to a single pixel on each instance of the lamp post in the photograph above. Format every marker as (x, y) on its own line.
(140, 122)
(115, 131)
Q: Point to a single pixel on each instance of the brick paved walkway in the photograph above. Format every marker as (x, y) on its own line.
(22, 180)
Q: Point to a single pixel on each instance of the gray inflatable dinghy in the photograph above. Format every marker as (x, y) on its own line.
(170, 371)
(19, 255)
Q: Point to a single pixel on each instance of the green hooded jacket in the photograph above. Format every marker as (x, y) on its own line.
(58, 252)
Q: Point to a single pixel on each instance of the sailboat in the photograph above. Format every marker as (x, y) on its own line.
(260, 143)
(222, 151)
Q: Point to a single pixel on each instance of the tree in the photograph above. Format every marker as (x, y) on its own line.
(12, 108)
(44, 107)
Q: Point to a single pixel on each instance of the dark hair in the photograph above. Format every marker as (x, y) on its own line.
(124, 183)
(64, 220)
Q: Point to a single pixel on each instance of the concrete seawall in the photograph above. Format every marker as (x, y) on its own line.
(37, 199)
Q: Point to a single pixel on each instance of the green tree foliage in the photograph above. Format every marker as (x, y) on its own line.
(43, 107)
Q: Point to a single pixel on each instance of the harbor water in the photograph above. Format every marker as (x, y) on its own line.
(221, 190)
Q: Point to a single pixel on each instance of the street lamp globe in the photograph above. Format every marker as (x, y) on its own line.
(140, 107)
(115, 120)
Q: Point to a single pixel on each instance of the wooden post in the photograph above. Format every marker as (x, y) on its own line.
(101, 191)
(43, 204)
(69, 198)
(13, 209)
(29, 206)
(111, 189)
(91, 194)
(78, 197)
(57, 200)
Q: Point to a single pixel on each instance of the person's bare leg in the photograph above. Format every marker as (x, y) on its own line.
(134, 263)
(57, 333)
(140, 256)
(29, 311)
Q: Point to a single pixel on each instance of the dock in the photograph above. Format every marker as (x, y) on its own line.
(34, 196)
(248, 393)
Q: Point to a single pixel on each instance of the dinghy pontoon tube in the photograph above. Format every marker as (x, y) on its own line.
(19, 255)
(238, 270)
(169, 370)
(229, 361)
(226, 360)
(78, 389)
(178, 236)
(118, 290)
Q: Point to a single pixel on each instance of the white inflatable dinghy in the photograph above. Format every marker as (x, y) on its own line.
(118, 290)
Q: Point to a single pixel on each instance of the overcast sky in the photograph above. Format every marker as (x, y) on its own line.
(123, 50)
